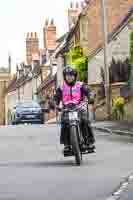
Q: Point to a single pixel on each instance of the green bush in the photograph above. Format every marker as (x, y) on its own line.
(77, 58)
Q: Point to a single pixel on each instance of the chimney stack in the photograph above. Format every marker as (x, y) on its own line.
(49, 35)
(32, 43)
(73, 13)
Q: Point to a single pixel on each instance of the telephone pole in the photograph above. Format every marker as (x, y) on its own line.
(105, 49)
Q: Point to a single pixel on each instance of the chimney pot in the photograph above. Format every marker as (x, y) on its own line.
(87, 1)
(27, 35)
(82, 4)
(35, 34)
(71, 5)
(46, 22)
(52, 22)
(77, 5)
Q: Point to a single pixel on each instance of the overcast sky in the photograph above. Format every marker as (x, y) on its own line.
(17, 17)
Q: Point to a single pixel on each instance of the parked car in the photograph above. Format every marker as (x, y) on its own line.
(27, 112)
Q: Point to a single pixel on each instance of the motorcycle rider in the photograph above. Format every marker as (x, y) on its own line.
(73, 91)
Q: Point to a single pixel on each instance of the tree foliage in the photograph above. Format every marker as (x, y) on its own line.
(77, 58)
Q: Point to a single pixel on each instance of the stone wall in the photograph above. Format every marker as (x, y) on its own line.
(2, 103)
(115, 91)
(4, 78)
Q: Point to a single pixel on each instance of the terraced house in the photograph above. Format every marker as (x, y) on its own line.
(87, 31)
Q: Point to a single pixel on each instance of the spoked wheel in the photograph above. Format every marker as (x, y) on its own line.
(75, 145)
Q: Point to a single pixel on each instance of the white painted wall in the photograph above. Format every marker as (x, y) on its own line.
(10, 101)
(116, 48)
(60, 66)
(27, 91)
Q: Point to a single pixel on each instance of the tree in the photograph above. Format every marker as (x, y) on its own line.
(77, 58)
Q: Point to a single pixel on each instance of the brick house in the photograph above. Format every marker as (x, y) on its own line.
(88, 32)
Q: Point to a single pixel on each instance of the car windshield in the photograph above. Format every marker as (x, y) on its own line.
(28, 105)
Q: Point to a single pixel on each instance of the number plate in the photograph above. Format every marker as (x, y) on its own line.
(30, 116)
(73, 116)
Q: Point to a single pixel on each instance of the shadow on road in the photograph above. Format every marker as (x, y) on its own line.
(46, 164)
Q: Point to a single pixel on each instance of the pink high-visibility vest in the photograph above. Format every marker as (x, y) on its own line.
(71, 94)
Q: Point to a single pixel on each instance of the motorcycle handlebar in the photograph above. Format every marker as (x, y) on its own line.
(75, 109)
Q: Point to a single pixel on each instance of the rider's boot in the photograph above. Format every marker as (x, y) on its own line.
(67, 148)
(91, 147)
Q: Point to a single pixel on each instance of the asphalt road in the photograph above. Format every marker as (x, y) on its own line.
(33, 167)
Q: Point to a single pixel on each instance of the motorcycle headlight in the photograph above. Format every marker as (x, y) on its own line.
(73, 116)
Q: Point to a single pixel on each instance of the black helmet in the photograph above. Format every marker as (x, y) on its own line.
(69, 70)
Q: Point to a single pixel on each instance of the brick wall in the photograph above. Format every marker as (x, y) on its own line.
(2, 103)
(101, 112)
(4, 78)
(116, 10)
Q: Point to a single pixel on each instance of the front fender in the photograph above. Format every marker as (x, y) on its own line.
(73, 123)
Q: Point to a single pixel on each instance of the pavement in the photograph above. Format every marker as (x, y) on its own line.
(124, 191)
(129, 194)
(117, 127)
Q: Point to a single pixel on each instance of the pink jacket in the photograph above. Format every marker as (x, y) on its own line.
(71, 94)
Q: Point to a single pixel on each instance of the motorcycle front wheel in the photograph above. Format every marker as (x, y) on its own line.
(75, 144)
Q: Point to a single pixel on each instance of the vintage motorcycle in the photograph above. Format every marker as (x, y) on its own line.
(71, 119)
